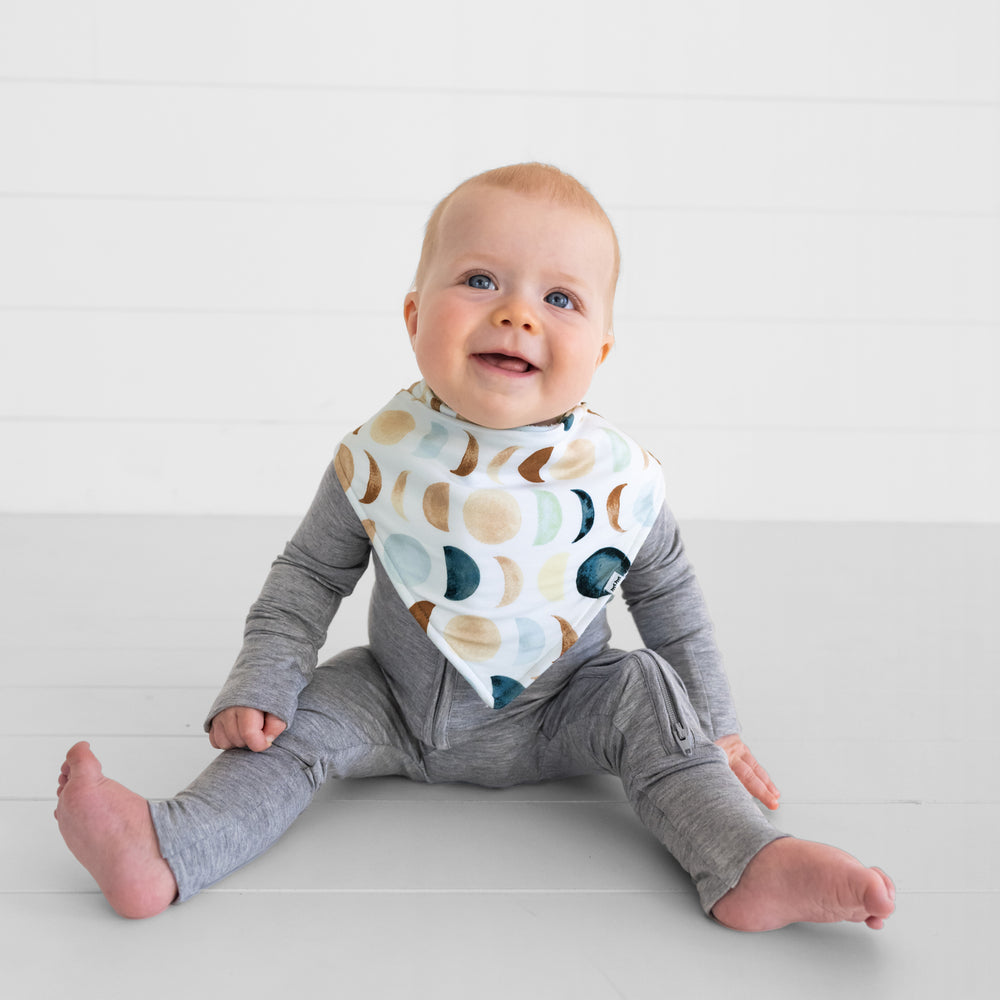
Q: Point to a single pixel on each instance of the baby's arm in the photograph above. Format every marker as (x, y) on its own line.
(667, 604)
(669, 610)
(287, 624)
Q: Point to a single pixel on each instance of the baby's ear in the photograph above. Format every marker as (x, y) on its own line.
(609, 342)
(410, 314)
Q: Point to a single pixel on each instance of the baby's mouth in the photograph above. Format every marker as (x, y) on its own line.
(507, 362)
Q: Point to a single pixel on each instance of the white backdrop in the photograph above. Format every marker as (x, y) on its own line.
(210, 211)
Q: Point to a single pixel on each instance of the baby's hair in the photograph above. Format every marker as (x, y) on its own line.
(540, 180)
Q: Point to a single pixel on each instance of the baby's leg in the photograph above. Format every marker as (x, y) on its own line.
(346, 725)
(236, 809)
(243, 801)
(632, 715)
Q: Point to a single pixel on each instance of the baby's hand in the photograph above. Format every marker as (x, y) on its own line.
(745, 766)
(244, 727)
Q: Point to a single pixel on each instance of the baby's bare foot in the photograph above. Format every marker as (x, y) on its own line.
(109, 830)
(794, 880)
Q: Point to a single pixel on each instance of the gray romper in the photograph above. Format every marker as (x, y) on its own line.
(397, 707)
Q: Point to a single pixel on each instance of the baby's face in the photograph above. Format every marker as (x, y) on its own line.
(512, 316)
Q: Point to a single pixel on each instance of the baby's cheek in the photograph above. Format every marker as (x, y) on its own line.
(438, 336)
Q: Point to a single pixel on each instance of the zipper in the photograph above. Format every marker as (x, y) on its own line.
(681, 733)
(442, 706)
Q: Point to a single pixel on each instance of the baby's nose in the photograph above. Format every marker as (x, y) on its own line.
(516, 312)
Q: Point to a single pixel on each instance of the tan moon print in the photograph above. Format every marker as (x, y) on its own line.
(614, 507)
(513, 580)
(344, 466)
(474, 639)
(498, 461)
(469, 459)
(492, 516)
(369, 527)
(422, 612)
(374, 480)
(551, 577)
(569, 635)
(531, 467)
(577, 460)
(436, 505)
(397, 493)
(391, 426)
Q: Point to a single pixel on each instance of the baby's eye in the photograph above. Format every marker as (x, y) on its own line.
(483, 281)
(560, 300)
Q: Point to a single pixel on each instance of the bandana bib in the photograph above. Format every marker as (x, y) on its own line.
(503, 544)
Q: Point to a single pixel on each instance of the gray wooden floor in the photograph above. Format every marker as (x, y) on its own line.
(864, 659)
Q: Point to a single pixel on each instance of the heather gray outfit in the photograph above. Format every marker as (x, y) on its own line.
(398, 707)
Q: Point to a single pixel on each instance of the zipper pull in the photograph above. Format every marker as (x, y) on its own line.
(683, 736)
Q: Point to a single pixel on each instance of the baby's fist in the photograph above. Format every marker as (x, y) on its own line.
(244, 727)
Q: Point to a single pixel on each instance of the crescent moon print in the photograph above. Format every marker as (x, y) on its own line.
(469, 459)
(498, 461)
(513, 580)
(397, 493)
(614, 507)
(374, 481)
(586, 513)
(531, 467)
(569, 636)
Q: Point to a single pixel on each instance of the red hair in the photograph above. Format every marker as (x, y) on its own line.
(539, 180)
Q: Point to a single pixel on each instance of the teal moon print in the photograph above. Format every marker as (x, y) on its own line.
(463, 574)
(505, 690)
(597, 572)
(586, 512)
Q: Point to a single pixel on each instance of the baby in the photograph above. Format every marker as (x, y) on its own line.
(503, 516)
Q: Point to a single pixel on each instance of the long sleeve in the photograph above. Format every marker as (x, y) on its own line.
(668, 607)
(287, 624)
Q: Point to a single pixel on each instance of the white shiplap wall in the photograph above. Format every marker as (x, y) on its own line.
(210, 211)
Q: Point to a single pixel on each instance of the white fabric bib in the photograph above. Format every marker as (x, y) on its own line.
(503, 544)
